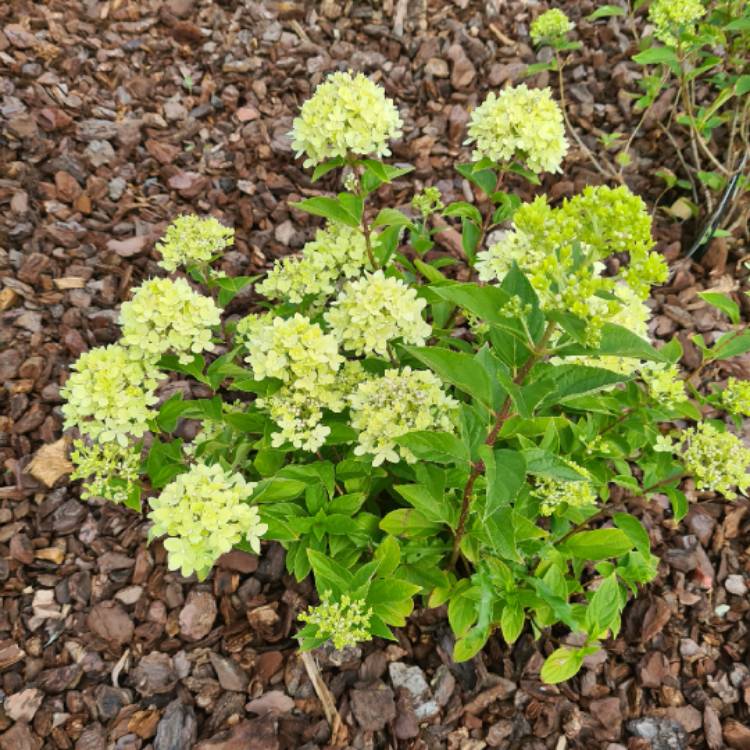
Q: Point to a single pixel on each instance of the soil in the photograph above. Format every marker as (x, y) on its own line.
(116, 116)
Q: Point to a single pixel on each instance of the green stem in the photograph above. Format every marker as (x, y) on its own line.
(501, 418)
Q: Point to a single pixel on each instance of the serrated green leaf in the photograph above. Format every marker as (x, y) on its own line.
(561, 665)
(600, 544)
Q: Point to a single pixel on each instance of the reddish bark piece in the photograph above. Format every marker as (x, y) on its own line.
(128, 248)
(154, 674)
(111, 622)
(198, 615)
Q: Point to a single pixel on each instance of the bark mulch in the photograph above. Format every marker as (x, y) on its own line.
(116, 116)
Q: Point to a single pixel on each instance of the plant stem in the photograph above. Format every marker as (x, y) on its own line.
(609, 173)
(500, 418)
(368, 242)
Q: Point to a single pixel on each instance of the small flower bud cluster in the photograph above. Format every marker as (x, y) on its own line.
(718, 461)
(191, 240)
(558, 495)
(374, 310)
(519, 124)
(401, 401)
(337, 252)
(427, 201)
(204, 513)
(551, 25)
(110, 394)
(347, 115)
(345, 622)
(109, 470)
(671, 17)
(167, 315)
(735, 398)
(665, 384)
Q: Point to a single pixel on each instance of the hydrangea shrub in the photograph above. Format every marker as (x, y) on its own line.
(405, 435)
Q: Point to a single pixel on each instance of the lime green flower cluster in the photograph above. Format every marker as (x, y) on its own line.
(555, 495)
(337, 252)
(345, 622)
(308, 362)
(520, 124)
(672, 17)
(561, 251)
(717, 460)
(348, 114)
(191, 240)
(552, 25)
(110, 470)
(401, 401)
(204, 513)
(110, 394)
(373, 310)
(665, 383)
(168, 315)
(735, 398)
(293, 350)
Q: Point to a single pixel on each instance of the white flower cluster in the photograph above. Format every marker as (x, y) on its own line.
(110, 394)
(347, 115)
(374, 310)
(556, 495)
(337, 252)
(167, 315)
(401, 401)
(204, 513)
(519, 124)
(190, 240)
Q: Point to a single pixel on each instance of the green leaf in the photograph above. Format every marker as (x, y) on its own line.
(679, 502)
(462, 608)
(742, 84)
(511, 622)
(724, 303)
(576, 380)
(408, 523)
(330, 208)
(461, 370)
(635, 531)
(540, 462)
(603, 611)
(440, 447)
(329, 575)
(730, 345)
(390, 217)
(484, 179)
(499, 531)
(659, 56)
(194, 368)
(420, 498)
(606, 11)
(470, 236)
(471, 644)
(600, 544)
(619, 342)
(485, 302)
(326, 166)
(465, 211)
(506, 472)
(561, 665)
(231, 286)
(738, 24)
(388, 555)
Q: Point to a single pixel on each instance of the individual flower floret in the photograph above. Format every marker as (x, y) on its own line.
(519, 124)
(191, 240)
(109, 395)
(401, 401)
(294, 350)
(375, 309)
(345, 622)
(337, 252)
(718, 461)
(204, 513)
(665, 384)
(347, 114)
(110, 470)
(554, 495)
(735, 398)
(671, 17)
(552, 25)
(167, 315)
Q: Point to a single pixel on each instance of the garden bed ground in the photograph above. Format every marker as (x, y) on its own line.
(116, 116)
